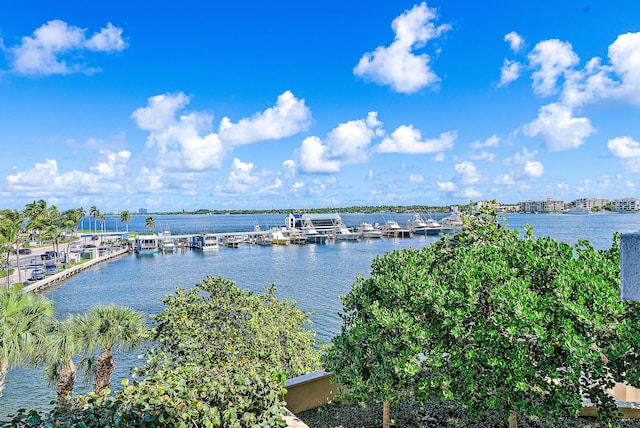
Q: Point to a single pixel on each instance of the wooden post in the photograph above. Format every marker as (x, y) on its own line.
(385, 415)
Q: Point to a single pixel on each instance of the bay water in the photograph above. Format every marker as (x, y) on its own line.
(313, 275)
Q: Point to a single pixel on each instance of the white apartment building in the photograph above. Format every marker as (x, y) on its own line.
(590, 203)
(547, 205)
(626, 204)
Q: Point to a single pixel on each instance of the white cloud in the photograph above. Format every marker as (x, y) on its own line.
(509, 72)
(241, 178)
(348, 143)
(397, 65)
(183, 144)
(407, 139)
(624, 54)
(533, 169)
(624, 147)
(467, 172)
(516, 42)
(45, 179)
(160, 111)
(416, 178)
(492, 141)
(551, 59)
(559, 129)
(288, 117)
(44, 53)
(290, 167)
(470, 193)
(446, 186)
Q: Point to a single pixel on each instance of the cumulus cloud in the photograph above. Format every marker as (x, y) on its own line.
(467, 173)
(624, 54)
(624, 147)
(523, 165)
(446, 186)
(493, 141)
(56, 42)
(241, 178)
(45, 179)
(288, 117)
(407, 139)
(397, 65)
(509, 72)
(551, 59)
(515, 40)
(416, 178)
(558, 128)
(160, 111)
(347, 144)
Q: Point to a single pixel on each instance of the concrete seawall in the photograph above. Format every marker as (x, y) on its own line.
(59, 277)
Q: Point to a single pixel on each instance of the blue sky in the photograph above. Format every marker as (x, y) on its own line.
(317, 104)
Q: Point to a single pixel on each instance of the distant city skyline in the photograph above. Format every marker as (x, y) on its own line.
(209, 105)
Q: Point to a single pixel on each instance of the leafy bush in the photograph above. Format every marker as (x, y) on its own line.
(492, 321)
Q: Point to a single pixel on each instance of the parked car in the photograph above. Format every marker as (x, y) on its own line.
(51, 269)
(24, 251)
(37, 275)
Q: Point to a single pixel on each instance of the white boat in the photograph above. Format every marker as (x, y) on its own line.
(368, 231)
(146, 245)
(205, 242)
(342, 233)
(315, 237)
(392, 229)
(451, 223)
(577, 210)
(421, 226)
(168, 246)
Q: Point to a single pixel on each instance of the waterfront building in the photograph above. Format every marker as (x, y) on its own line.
(541, 206)
(590, 203)
(626, 204)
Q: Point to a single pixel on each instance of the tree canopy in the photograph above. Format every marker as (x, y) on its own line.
(492, 320)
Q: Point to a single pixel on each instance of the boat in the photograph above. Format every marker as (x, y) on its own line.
(392, 229)
(315, 237)
(278, 237)
(322, 223)
(205, 242)
(146, 245)
(421, 226)
(452, 223)
(297, 238)
(342, 233)
(368, 231)
(577, 210)
(234, 241)
(168, 246)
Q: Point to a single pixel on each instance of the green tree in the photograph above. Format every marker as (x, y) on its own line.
(108, 328)
(11, 238)
(149, 223)
(23, 318)
(64, 342)
(125, 217)
(94, 212)
(71, 221)
(491, 320)
(231, 325)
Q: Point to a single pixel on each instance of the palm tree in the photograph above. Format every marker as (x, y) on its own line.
(35, 212)
(125, 217)
(72, 219)
(11, 228)
(94, 212)
(110, 327)
(65, 341)
(23, 317)
(149, 223)
(102, 220)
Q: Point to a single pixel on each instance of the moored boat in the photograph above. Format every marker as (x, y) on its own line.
(146, 245)
(392, 229)
(368, 231)
(205, 242)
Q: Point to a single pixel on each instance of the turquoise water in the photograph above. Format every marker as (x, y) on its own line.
(313, 275)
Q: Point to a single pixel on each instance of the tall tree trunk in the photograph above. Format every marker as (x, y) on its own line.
(385, 415)
(104, 370)
(66, 381)
(513, 419)
(3, 374)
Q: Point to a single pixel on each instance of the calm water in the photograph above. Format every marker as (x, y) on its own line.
(313, 275)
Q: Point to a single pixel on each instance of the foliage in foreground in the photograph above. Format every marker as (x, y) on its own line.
(220, 360)
(492, 321)
(438, 414)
